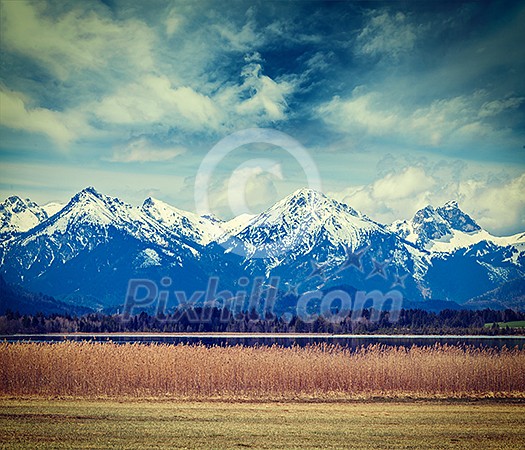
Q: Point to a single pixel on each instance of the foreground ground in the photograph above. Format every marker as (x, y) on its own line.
(57, 424)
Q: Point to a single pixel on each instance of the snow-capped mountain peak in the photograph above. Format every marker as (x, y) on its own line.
(443, 230)
(200, 229)
(18, 216)
(90, 215)
(91, 207)
(308, 203)
(457, 219)
(302, 220)
(108, 239)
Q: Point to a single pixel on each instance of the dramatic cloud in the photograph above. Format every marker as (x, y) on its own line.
(497, 206)
(411, 181)
(248, 189)
(440, 122)
(154, 101)
(74, 40)
(145, 83)
(60, 127)
(267, 99)
(239, 38)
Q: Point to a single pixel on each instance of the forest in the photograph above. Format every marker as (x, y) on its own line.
(214, 320)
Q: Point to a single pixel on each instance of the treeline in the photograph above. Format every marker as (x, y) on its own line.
(213, 320)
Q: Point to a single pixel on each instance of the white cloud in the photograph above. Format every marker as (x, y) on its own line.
(395, 196)
(153, 100)
(496, 204)
(60, 127)
(266, 97)
(499, 207)
(75, 40)
(141, 150)
(251, 186)
(239, 39)
(249, 189)
(386, 34)
(253, 57)
(452, 119)
(360, 112)
(412, 181)
(173, 22)
(496, 107)
(119, 75)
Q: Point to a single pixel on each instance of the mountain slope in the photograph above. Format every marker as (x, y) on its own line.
(509, 295)
(18, 216)
(88, 251)
(16, 298)
(94, 246)
(447, 228)
(305, 241)
(185, 224)
(298, 222)
(464, 260)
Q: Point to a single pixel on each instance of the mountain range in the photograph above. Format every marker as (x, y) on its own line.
(85, 253)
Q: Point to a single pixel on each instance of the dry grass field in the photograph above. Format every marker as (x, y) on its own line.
(108, 370)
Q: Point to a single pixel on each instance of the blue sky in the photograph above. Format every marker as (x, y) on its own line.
(399, 104)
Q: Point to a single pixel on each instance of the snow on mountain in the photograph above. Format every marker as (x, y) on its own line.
(463, 259)
(308, 240)
(88, 251)
(52, 208)
(93, 210)
(238, 223)
(88, 220)
(18, 216)
(516, 240)
(91, 247)
(426, 227)
(446, 229)
(457, 219)
(299, 221)
(199, 229)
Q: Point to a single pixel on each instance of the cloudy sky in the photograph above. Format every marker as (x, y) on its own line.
(398, 104)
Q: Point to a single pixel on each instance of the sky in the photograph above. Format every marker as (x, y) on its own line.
(387, 106)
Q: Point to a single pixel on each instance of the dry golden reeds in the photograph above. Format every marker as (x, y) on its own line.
(89, 369)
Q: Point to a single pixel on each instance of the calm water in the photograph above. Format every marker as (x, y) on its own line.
(349, 341)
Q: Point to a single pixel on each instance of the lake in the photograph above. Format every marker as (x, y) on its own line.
(287, 340)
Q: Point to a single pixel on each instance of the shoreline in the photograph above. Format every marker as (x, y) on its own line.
(261, 336)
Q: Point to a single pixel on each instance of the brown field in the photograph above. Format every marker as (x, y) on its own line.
(97, 370)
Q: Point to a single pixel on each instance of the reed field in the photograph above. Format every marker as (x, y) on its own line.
(96, 370)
